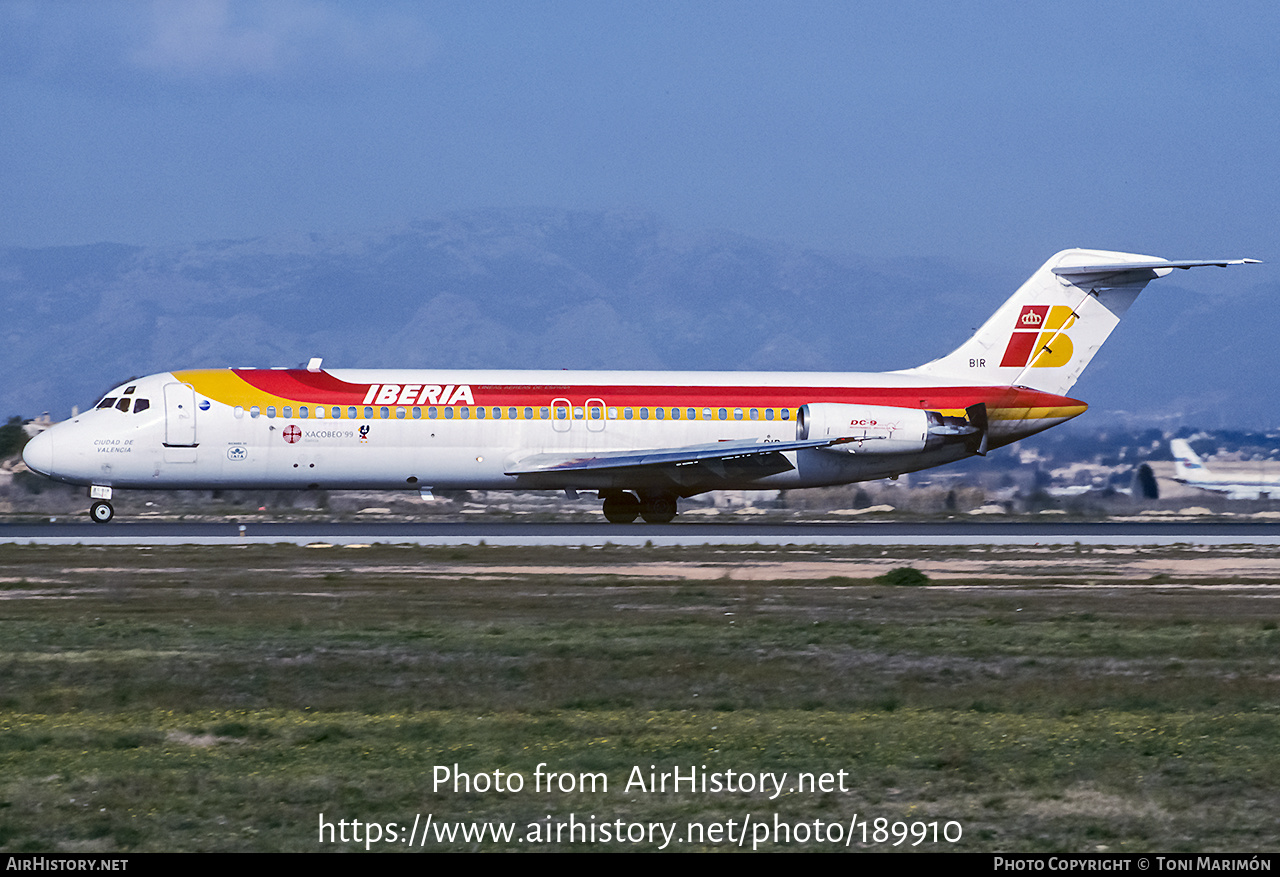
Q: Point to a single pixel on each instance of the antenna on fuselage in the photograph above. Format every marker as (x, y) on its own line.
(314, 364)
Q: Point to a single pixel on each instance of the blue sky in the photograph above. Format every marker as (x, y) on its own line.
(993, 131)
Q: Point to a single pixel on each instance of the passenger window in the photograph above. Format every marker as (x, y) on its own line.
(626, 413)
(511, 414)
(644, 413)
(693, 413)
(479, 414)
(722, 414)
(108, 402)
(611, 414)
(562, 413)
(675, 413)
(368, 412)
(544, 413)
(448, 414)
(302, 412)
(786, 413)
(497, 413)
(351, 412)
(238, 412)
(466, 412)
(141, 405)
(288, 411)
(399, 414)
(706, 413)
(320, 412)
(577, 414)
(417, 413)
(123, 405)
(255, 411)
(432, 413)
(768, 414)
(755, 413)
(271, 411)
(595, 413)
(660, 413)
(737, 414)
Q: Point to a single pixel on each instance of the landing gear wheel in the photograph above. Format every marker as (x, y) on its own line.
(621, 508)
(101, 512)
(658, 509)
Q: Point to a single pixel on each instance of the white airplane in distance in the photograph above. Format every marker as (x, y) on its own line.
(1190, 470)
(641, 440)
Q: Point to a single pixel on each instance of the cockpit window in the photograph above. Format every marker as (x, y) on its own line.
(141, 405)
(107, 402)
(130, 389)
(123, 404)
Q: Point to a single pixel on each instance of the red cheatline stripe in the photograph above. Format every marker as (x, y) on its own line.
(321, 388)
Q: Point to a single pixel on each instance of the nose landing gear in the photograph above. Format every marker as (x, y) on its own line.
(101, 510)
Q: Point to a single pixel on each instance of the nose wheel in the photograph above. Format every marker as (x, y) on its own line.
(101, 512)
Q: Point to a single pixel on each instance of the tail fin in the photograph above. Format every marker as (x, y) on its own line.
(1049, 330)
(1188, 466)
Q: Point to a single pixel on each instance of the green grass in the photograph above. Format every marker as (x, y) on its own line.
(221, 699)
(258, 779)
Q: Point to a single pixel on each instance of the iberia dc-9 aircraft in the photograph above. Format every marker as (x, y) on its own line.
(642, 440)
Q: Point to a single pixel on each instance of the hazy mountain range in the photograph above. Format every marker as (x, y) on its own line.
(558, 289)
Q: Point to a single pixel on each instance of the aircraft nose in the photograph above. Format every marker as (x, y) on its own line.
(38, 454)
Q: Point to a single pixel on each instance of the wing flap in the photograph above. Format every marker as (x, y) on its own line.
(634, 459)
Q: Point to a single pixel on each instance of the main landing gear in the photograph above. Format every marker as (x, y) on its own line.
(622, 508)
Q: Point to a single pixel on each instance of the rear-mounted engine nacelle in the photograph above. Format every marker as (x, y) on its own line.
(880, 429)
(865, 429)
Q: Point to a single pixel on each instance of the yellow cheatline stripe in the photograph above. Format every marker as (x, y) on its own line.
(1053, 413)
(1020, 413)
(223, 385)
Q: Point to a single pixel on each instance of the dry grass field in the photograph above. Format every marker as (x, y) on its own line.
(1035, 699)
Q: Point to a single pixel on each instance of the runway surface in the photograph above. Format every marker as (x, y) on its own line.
(1210, 532)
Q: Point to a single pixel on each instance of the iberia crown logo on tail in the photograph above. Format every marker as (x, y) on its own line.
(1040, 335)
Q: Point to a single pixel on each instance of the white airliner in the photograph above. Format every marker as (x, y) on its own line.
(1190, 470)
(640, 439)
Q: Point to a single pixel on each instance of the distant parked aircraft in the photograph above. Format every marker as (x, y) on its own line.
(641, 440)
(1191, 471)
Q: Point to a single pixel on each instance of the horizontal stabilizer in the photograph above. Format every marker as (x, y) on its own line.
(1083, 274)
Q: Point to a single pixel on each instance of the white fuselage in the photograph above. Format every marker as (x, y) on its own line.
(466, 430)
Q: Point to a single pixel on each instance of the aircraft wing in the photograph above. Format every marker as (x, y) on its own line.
(537, 464)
